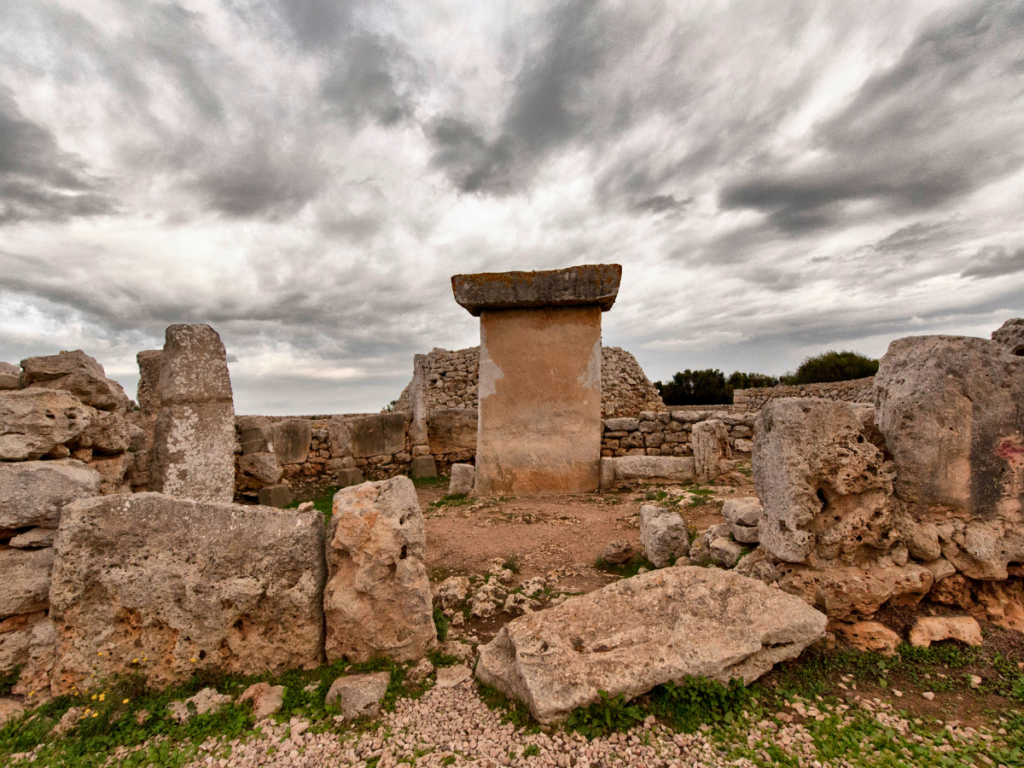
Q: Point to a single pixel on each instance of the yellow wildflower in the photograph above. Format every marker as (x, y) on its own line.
(95, 714)
(94, 697)
(103, 696)
(125, 701)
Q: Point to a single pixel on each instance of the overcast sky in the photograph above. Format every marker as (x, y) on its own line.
(776, 178)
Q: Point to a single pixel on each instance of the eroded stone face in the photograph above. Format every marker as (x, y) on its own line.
(950, 410)
(641, 632)
(452, 430)
(1010, 336)
(77, 373)
(32, 493)
(189, 585)
(540, 401)
(377, 601)
(35, 421)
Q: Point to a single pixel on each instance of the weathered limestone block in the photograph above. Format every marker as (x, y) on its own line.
(151, 368)
(258, 470)
(641, 632)
(744, 517)
(191, 585)
(108, 432)
(34, 492)
(590, 284)
(32, 647)
(339, 438)
(663, 535)
(266, 699)
(255, 434)
(848, 592)
(10, 376)
(376, 435)
(710, 447)
(461, 482)
(77, 373)
(452, 430)
(358, 695)
(869, 636)
(826, 489)
(277, 496)
(194, 437)
(932, 629)
(205, 702)
(949, 407)
(377, 600)
(113, 470)
(1010, 336)
(193, 452)
(652, 469)
(621, 425)
(35, 421)
(292, 438)
(423, 466)
(34, 538)
(25, 586)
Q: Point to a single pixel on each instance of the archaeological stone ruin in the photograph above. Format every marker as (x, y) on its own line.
(153, 537)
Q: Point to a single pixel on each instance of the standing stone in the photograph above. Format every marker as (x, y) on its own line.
(10, 376)
(193, 586)
(950, 410)
(77, 373)
(540, 377)
(461, 482)
(663, 535)
(339, 438)
(194, 440)
(33, 493)
(377, 600)
(35, 421)
(292, 439)
(710, 446)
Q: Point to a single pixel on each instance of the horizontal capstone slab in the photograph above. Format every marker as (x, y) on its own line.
(573, 287)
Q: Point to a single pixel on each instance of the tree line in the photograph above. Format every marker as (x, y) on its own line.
(711, 387)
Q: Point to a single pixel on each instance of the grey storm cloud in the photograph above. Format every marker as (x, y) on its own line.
(306, 175)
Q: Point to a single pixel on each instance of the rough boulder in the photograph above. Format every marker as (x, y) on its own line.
(377, 600)
(77, 373)
(188, 585)
(641, 632)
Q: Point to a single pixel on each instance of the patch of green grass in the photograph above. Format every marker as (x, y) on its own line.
(698, 701)
(656, 495)
(511, 563)
(439, 659)
(441, 624)
(451, 500)
(323, 503)
(532, 750)
(608, 715)
(625, 570)
(431, 482)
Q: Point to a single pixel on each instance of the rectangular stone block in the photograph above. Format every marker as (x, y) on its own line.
(540, 401)
(376, 435)
(194, 451)
(191, 586)
(292, 439)
(654, 469)
(585, 285)
(452, 430)
(34, 492)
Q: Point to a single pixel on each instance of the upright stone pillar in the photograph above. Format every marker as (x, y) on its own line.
(194, 434)
(539, 428)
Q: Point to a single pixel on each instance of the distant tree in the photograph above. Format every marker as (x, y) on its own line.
(706, 387)
(832, 366)
(740, 380)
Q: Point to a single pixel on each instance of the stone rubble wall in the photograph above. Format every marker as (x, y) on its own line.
(856, 391)
(450, 381)
(670, 433)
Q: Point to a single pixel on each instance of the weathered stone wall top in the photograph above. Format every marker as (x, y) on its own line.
(572, 287)
(451, 382)
(856, 391)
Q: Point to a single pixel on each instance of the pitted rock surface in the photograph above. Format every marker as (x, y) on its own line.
(641, 632)
(35, 492)
(77, 373)
(35, 421)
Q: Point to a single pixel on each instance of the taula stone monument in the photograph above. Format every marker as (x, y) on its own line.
(540, 376)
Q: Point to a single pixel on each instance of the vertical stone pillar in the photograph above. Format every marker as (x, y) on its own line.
(194, 436)
(539, 429)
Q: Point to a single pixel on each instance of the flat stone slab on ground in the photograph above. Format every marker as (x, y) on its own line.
(641, 632)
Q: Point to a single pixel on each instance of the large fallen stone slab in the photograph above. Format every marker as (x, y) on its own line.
(950, 410)
(33, 493)
(649, 469)
(641, 632)
(77, 373)
(190, 586)
(35, 421)
(377, 600)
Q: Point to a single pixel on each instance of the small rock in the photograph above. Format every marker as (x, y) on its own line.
(68, 721)
(869, 636)
(725, 552)
(142, 716)
(420, 672)
(359, 695)
(305, 506)
(663, 535)
(452, 591)
(975, 681)
(518, 604)
(533, 587)
(931, 629)
(619, 552)
(207, 700)
(266, 699)
(449, 677)
(460, 651)
(928, 695)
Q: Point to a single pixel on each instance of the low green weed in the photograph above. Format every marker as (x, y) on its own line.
(610, 714)
(625, 570)
(441, 624)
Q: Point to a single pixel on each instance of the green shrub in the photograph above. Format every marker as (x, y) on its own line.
(441, 624)
(833, 366)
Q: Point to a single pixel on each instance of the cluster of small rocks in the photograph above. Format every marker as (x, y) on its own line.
(670, 433)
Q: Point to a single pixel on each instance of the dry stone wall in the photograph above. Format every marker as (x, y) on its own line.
(856, 391)
(670, 433)
(450, 382)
